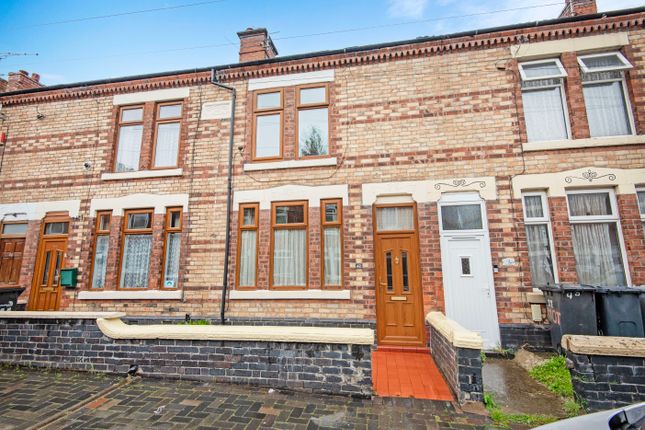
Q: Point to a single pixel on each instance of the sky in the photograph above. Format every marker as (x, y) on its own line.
(76, 42)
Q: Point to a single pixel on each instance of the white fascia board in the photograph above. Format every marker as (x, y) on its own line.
(37, 210)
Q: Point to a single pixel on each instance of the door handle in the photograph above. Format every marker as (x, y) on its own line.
(383, 284)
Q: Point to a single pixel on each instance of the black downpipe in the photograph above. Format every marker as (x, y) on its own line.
(229, 192)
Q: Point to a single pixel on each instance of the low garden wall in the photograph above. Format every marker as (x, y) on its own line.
(457, 353)
(314, 359)
(606, 372)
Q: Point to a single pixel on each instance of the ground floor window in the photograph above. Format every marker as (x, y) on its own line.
(137, 248)
(12, 245)
(597, 241)
(538, 237)
(641, 206)
(172, 250)
(289, 244)
(101, 249)
(248, 248)
(332, 224)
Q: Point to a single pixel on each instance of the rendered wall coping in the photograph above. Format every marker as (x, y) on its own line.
(605, 345)
(117, 329)
(57, 315)
(454, 333)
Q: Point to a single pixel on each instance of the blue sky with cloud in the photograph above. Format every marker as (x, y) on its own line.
(205, 34)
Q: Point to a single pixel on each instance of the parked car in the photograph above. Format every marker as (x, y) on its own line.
(627, 418)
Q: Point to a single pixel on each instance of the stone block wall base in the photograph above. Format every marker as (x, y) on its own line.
(80, 345)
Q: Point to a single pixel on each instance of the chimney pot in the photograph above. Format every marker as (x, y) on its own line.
(21, 80)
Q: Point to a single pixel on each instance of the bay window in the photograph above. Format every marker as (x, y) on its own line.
(172, 247)
(289, 244)
(332, 237)
(313, 120)
(12, 245)
(597, 241)
(539, 239)
(267, 124)
(129, 139)
(543, 98)
(101, 249)
(167, 130)
(247, 255)
(136, 247)
(605, 93)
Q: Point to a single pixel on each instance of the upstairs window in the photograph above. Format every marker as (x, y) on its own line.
(313, 120)
(267, 125)
(167, 130)
(545, 107)
(605, 94)
(538, 237)
(130, 137)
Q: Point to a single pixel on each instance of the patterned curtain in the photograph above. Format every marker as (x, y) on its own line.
(136, 261)
(247, 258)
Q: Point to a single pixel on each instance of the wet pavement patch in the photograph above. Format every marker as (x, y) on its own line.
(28, 397)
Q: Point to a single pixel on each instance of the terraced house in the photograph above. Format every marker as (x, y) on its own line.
(356, 187)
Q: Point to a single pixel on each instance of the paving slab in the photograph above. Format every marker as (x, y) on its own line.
(29, 396)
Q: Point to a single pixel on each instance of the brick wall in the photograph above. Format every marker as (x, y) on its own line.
(607, 382)
(462, 367)
(80, 345)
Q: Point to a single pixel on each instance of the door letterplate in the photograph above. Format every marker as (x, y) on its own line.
(398, 298)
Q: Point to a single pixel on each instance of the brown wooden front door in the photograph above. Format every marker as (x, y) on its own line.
(45, 289)
(399, 307)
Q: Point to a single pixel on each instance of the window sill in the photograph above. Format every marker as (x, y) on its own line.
(131, 295)
(141, 174)
(583, 143)
(290, 295)
(290, 164)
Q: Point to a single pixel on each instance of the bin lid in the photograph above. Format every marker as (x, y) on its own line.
(562, 288)
(602, 289)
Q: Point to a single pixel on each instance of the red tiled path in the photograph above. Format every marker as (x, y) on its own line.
(400, 373)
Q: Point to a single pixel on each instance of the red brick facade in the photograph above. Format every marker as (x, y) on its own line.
(434, 110)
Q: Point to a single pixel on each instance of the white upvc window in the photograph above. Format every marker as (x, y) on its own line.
(604, 87)
(597, 238)
(544, 100)
(640, 193)
(539, 237)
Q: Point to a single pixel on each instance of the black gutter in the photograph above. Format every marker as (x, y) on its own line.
(352, 49)
(229, 192)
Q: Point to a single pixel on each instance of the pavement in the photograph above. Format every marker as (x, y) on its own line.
(51, 399)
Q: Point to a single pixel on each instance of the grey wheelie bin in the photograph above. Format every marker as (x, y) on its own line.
(571, 309)
(619, 311)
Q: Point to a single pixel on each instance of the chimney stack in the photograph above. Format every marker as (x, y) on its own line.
(256, 45)
(578, 7)
(20, 80)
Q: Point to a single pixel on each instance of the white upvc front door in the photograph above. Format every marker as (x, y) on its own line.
(467, 266)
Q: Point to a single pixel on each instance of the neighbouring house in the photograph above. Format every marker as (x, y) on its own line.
(369, 185)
